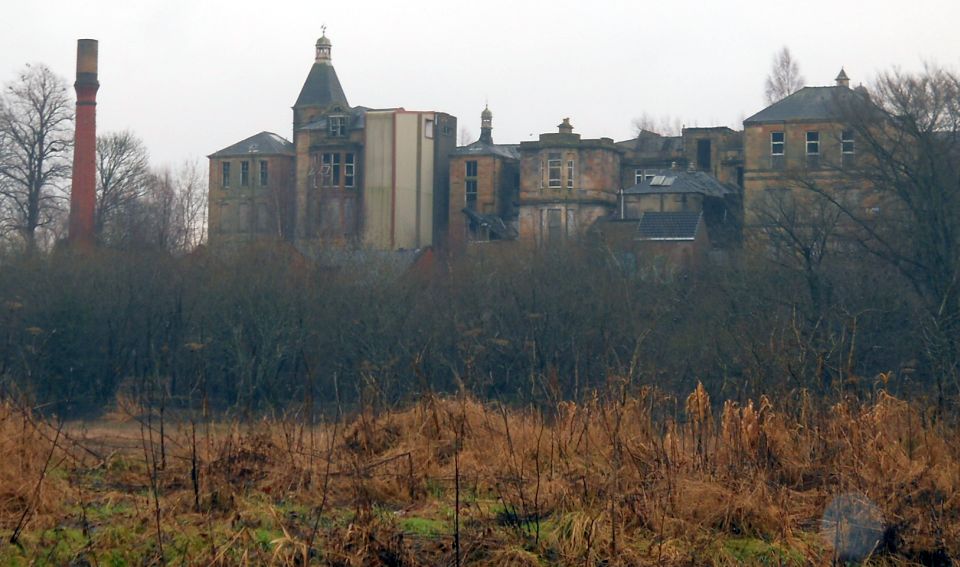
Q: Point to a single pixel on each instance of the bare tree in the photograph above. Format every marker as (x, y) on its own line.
(905, 136)
(122, 168)
(35, 118)
(466, 136)
(176, 203)
(784, 78)
(664, 126)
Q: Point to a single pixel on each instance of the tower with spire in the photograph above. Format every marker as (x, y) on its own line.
(486, 125)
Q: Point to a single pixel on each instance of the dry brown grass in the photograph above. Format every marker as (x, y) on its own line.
(602, 481)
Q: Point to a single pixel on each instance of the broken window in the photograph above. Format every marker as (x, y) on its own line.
(349, 169)
(555, 228)
(225, 175)
(338, 126)
(244, 173)
(330, 170)
(553, 170)
(263, 173)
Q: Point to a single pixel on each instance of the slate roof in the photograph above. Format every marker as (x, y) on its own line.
(809, 103)
(670, 181)
(322, 88)
(266, 143)
(681, 225)
(358, 120)
(481, 148)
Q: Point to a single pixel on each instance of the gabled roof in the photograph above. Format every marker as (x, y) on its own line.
(809, 103)
(265, 143)
(322, 88)
(671, 181)
(682, 225)
(481, 148)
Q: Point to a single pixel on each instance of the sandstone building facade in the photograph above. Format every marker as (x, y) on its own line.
(800, 140)
(393, 179)
(353, 177)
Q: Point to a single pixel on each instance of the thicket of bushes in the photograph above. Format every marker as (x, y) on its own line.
(256, 329)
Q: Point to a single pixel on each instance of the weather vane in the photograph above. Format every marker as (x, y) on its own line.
(324, 29)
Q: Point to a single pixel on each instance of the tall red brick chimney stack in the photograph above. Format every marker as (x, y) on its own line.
(84, 187)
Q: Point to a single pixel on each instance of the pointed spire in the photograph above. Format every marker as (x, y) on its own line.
(486, 125)
(842, 79)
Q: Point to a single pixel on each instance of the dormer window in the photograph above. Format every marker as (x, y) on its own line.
(338, 126)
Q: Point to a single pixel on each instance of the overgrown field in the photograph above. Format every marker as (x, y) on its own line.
(633, 477)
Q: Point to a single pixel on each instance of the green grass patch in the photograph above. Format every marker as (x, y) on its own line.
(424, 526)
(753, 551)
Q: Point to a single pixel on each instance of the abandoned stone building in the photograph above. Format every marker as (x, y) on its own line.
(352, 177)
(562, 188)
(393, 179)
(799, 140)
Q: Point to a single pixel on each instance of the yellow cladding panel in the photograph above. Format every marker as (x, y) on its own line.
(378, 175)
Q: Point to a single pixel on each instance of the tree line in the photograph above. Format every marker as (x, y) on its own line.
(828, 297)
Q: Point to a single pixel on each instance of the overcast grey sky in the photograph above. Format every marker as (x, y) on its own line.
(191, 77)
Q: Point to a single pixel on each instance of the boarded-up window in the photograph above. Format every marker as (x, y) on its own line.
(555, 227)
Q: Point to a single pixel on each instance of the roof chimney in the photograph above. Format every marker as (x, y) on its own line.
(565, 127)
(83, 185)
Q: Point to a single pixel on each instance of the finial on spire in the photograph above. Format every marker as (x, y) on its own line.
(323, 28)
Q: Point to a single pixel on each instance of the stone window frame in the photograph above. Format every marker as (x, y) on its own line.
(813, 142)
(225, 175)
(468, 165)
(571, 172)
(554, 165)
(780, 144)
(264, 173)
(847, 142)
(245, 173)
